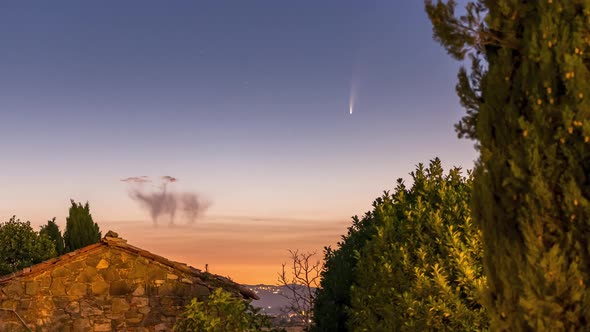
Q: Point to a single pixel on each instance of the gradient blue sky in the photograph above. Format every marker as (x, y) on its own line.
(243, 101)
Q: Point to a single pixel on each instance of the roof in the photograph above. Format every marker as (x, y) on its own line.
(112, 240)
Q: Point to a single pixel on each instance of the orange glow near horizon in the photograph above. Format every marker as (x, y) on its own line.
(249, 251)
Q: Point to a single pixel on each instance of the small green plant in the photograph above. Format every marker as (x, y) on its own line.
(222, 312)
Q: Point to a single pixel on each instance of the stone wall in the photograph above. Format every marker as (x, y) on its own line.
(107, 289)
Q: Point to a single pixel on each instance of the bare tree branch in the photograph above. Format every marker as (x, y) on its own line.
(301, 280)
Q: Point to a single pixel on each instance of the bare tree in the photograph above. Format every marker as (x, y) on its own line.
(301, 278)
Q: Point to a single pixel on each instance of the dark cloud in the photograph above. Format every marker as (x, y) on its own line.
(168, 178)
(166, 202)
(137, 179)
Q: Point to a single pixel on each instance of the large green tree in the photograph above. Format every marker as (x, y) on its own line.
(81, 230)
(528, 102)
(422, 269)
(51, 230)
(21, 246)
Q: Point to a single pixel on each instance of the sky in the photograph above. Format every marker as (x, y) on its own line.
(244, 102)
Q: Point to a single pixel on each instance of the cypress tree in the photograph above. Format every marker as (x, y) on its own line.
(51, 230)
(527, 100)
(81, 230)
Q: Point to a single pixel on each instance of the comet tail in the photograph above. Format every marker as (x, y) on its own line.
(351, 99)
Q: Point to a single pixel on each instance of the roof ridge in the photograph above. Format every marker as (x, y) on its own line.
(112, 239)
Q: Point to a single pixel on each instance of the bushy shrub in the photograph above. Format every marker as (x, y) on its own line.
(413, 263)
(21, 246)
(422, 270)
(332, 302)
(222, 312)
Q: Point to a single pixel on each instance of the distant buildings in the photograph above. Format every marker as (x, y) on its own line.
(275, 302)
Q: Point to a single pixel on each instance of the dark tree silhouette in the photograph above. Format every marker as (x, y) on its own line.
(51, 230)
(81, 230)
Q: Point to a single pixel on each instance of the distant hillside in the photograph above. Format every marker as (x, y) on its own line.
(271, 300)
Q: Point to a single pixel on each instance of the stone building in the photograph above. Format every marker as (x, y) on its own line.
(107, 286)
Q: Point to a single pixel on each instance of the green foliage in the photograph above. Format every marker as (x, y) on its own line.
(528, 110)
(21, 246)
(81, 230)
(422, 269)
(222, 312)
(51, 230)
(332, 300)
(411, 264)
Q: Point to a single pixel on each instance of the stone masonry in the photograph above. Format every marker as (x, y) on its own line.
(108, 286)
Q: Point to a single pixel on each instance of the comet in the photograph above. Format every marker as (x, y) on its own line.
(352, 97)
